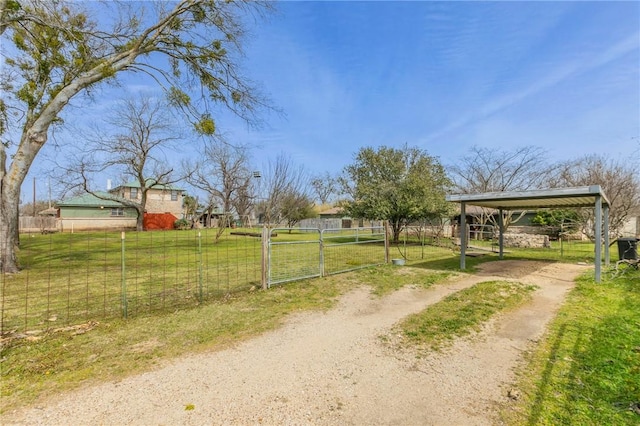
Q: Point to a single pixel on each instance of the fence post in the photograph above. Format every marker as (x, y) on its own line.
(322, 274)
(404, 243)
(386, 241)
(265, 253)
(200, 266)
(124, 280)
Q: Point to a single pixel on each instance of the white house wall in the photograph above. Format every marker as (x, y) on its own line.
(86, 224)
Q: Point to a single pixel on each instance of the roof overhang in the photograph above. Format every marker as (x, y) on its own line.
(582, 196)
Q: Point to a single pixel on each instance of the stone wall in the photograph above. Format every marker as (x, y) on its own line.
(526, 240)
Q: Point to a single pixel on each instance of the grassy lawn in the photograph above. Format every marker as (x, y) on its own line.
(462, 313)
(587, 369)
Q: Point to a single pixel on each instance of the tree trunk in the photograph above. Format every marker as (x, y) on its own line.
(140, 222)
(396, 227)
(9, 233)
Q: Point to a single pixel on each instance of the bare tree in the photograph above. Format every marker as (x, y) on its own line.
(281, 180)
(223, 174)
(489, 170)
(244, 199)
(324, 187)
(55, 51)
(134, 147)
(620, 182)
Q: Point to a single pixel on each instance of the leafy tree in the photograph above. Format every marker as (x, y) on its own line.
(54, 51)
(296, 207)
(190, 205)
(558, 219)
(555, 217)
(398, 185)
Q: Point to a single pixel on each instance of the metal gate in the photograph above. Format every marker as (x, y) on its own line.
(293, 256)
(300, 253)
(348, 249)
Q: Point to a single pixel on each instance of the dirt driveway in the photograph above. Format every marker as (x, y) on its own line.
(332, 369)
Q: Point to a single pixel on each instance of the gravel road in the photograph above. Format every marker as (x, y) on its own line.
(332, 368)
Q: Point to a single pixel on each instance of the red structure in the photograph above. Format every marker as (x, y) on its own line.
(153, 221)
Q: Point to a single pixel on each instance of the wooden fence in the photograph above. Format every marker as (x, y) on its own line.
(38, 224)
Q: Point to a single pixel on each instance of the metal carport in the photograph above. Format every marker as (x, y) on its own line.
(583, 196)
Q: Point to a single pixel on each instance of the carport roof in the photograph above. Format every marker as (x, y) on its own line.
(582, 196)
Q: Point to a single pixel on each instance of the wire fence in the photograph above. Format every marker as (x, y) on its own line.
(72, 278)
(350, 249)
(424, 242)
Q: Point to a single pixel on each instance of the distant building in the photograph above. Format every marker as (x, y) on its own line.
(160, 198)
(89, 211)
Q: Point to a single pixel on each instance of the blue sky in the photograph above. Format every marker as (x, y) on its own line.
(443, 76)
(448, 75)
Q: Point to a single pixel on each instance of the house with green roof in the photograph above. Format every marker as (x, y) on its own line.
(104, 211)
(88, 211)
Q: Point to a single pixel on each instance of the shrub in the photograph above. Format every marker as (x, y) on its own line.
(181, 224)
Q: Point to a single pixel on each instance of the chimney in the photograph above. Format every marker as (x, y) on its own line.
(108, 184)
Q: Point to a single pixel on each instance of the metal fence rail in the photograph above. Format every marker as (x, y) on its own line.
(354, 248)
(299, 253)
(422, 242)
(296, 255)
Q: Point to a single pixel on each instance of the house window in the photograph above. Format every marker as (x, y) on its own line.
(133, 194)
(117, 211)
(174, 195)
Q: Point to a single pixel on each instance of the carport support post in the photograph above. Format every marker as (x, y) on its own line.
(501, 234)
(463, 235)
(598, 232)
(606, 235)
